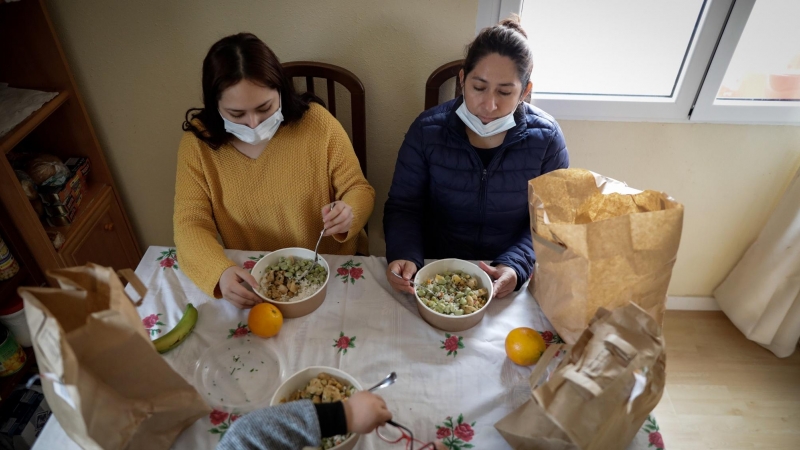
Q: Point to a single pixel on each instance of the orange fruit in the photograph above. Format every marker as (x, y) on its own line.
(265, 320)
(524, 346)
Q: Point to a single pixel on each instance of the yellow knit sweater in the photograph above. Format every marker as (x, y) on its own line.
(267, 203)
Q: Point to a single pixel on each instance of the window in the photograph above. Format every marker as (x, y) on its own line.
(600, 58)
(652, 60)
(755, 74)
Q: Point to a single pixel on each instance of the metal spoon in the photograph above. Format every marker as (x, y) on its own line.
(388, 381)
(417, 285)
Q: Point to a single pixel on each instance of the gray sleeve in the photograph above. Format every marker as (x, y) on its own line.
(289, 426)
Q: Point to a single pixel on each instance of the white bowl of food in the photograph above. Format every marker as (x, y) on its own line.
(452, 294)
(328, 385)
(277, 275)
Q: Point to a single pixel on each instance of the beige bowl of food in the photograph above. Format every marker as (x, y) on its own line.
(300, 382)
(439, 317)
(785, 81)
(310, 292)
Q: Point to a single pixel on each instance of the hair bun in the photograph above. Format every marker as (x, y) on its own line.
(513, 23)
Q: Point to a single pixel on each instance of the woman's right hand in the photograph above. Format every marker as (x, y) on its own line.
(233, 291)
(404, 268)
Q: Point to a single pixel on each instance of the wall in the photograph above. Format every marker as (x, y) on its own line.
(138, 67)
(728, 177)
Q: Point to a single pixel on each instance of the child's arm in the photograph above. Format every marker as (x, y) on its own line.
(301, 423)
(288, 426)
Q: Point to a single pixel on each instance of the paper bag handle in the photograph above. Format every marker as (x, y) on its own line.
(542, 364)
(131, 277)
(557, 246)
(614, 344)
(583, 381)
(621, 347)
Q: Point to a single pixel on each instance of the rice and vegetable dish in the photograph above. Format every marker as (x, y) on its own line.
(280, 281)
(453, 293)
(325, 389)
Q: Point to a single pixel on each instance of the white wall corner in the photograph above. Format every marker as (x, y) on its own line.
(492, 11)
(488, 13)
(692, 303)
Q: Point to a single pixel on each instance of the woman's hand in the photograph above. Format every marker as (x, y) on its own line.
(233, 291)
(337, 218)
(365, 412)
(504, 278)
(405, 269)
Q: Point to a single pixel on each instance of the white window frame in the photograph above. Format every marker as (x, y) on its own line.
(738, 111)
(492, 11)
(705, 65)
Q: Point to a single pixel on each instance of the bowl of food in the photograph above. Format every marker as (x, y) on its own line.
(320, 385)
(452, 294)
(279, 281)
(785, 81)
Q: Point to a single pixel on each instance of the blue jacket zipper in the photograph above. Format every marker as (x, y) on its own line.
(483, 189)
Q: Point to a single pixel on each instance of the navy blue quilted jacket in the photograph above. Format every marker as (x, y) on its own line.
(444, 204)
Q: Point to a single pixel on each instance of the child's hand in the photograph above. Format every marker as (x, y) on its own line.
(365, 412)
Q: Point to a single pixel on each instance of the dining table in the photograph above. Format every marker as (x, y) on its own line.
(451, 387)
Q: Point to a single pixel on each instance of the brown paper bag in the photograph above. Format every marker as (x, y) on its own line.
(101, 375)
(602, 391)
(599, 243)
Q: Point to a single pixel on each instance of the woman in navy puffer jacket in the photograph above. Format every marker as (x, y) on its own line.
(460, 186)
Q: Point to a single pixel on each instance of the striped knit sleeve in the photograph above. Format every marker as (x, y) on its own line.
(201, 256)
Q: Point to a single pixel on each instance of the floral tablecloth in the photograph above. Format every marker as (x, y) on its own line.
(450, 386)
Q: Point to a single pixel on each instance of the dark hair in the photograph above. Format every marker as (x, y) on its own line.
(230, 60)
(506, 39)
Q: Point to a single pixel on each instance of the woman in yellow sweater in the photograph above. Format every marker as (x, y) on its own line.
(264, 168)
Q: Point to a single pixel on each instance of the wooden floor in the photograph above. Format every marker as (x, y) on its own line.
(723, 391)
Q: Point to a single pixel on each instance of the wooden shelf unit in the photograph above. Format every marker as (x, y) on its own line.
(31, 368)
(13, 137)
(31, 57)
(9, 287)
(88, 205)
(29, 272)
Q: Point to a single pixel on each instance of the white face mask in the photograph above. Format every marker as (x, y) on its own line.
(258, 135)
(496, 126)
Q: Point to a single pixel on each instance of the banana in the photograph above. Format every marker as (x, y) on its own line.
(178, 334)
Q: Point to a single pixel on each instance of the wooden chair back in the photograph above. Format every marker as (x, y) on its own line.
(358, 107)
(438, 78)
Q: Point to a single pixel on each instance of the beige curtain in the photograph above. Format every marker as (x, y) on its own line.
(761, 295)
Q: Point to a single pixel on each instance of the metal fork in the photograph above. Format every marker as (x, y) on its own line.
(316, 257)
(316, 251)
(411, 282)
